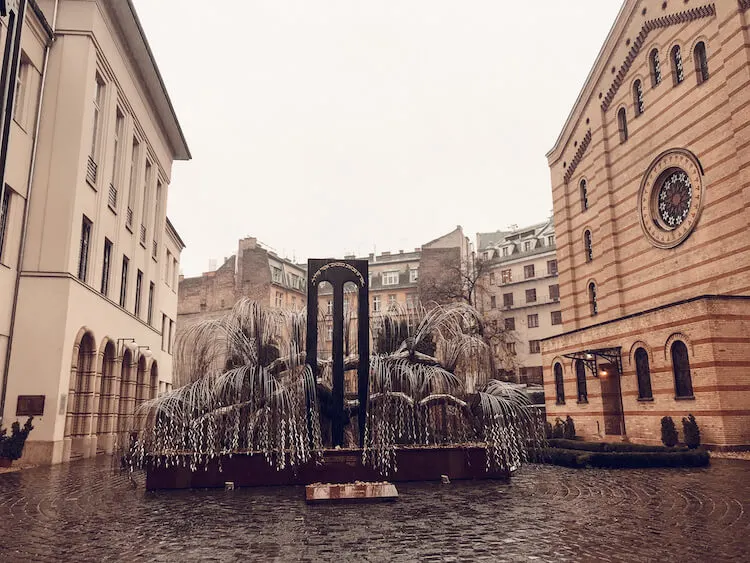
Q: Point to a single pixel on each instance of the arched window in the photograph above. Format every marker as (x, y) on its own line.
(678, 72)
(592, 299)
(643, 372)
(622, 124)
(559, 385)
(583, 396)
(655, 68)
(584, 195)
(638, 97)
(588, 245)
(683, 383)
(701, 62)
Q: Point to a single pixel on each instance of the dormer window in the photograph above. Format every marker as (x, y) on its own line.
(276, 274)
(638, 97)
(390, 278)
(655, 68)
(505, 251)
(678, 72)
(550, 240)
(413, 275)
(527, 246)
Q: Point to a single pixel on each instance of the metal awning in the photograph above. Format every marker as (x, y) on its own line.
(590, 358)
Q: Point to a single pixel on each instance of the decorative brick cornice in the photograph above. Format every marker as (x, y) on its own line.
(648, 27)
(578, 156)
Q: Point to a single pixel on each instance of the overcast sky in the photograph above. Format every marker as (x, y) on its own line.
(330, 127)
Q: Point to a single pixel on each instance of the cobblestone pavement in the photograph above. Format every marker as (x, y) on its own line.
(83, 512)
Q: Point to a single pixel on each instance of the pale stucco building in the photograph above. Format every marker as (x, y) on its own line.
(89, 261)
(519, 293)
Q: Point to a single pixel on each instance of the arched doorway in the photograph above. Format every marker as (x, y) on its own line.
(107, 414)
(78, 418)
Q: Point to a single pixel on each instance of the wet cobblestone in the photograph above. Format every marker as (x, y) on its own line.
(82, 512)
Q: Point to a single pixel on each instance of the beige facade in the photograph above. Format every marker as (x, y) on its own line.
(519, 293)
(87, 224)
(651, 191)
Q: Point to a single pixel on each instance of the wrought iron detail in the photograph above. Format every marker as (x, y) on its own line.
(590, 358)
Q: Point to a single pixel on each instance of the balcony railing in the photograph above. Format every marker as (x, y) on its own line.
(91, 169)
(143, 235)
(112, 201)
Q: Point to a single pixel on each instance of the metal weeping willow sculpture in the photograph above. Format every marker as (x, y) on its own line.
(251, 390)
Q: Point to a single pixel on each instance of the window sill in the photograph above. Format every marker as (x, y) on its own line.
(559, 403)
(586, 402)
(129, 228)
(92, 185)
(645, 399)
(685, 398)
(112, 209)
(5, 265)
(143, 246)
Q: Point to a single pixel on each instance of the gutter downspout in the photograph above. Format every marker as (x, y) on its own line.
(24, 227)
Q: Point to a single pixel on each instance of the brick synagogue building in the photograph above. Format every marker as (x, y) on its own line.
(651, 190)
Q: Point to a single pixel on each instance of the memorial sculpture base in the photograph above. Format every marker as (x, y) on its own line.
(338, 466)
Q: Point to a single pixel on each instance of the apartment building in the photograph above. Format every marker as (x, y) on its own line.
(254, 272)
(84, 238)
(518, 292)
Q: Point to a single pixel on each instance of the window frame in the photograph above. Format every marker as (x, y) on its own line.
(138, 293)
(678, 65)
(557, 371)
(654, 64)
(622, 124)
(582, 392)
(106, 266)
(643, 374)
(509, 325)
(5, 208)
(534, 299)
(700, 57)
(583, 188)
(84, 250)
(639, 105)
(532, 320)
(684, 377)
(387, 278)
(529, 272)
(124, 274)
(593, 302)
(535, 346)
(588, 245)
(555, 315)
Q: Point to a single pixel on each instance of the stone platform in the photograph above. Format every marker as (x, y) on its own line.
(339, 466)
(350, 492)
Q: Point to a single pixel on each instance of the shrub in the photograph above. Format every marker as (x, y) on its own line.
(559, 429)
(570, 429)
(692, 432)
(11, 447)
(547, 430)
(668, 432)
(619, 447)
(625, 460)
(578, 445)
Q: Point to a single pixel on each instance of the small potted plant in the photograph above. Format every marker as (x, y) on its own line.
(11, 447)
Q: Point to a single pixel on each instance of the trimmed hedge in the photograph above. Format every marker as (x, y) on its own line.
(610, 446)
(637, 459)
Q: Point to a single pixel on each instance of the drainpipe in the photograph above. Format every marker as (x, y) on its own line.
(24, 227)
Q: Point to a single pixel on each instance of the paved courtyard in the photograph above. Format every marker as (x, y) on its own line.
(83, 512)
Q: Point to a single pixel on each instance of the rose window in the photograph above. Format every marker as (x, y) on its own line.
(674, 199)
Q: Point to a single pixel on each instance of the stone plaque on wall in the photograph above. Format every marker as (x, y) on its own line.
(30, 405)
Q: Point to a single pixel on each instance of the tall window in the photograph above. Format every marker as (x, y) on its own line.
(534, 347)
(505, 251)
(559, 384)
(683, 382)
(588, 245)
(170, 342)
(391, 300)
(150, 312)
(531, 295)
(507, 300)
(653, 60)
(106, 266)
(528, 271)
(98, 103)
(376, 303)
(583, 396)
(701, 62)
(678, 72)
(117, 147)
(527, 246)
(532, 321)
(506, 276)
(592, 299)
(493, 302)
(638, 97)
(414, 275)
(584, 195)
(556, 317)
(643, 374)
(552, 267)
(83, 254)
(510, 323)
(22, 88)
(554, 292)
(135, 157)
(144, 205)
(4, 211)
(157, 218)
(622, 125)
(138, 289)
(164, 332)
(124, 281)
